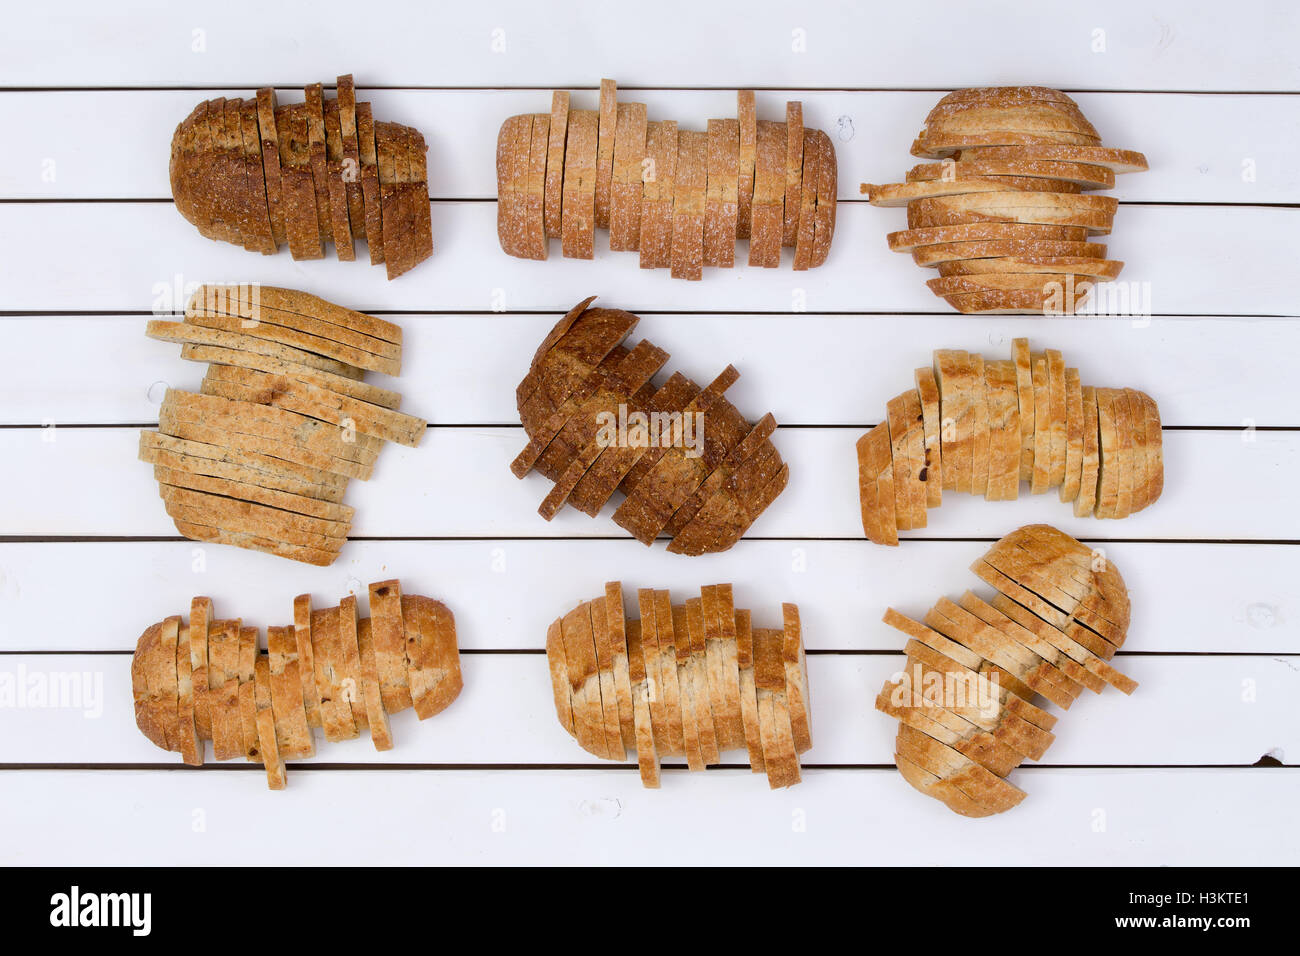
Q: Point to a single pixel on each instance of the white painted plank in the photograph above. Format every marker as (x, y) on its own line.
(87, 481)
(807, 369)
(1107, 44)
(1098, 817)
(1248, 160)
(505, 593)
(126, 256)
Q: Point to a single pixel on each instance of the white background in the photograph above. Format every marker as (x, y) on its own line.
(88, 558)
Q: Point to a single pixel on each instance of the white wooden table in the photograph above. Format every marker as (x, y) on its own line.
(90, 244)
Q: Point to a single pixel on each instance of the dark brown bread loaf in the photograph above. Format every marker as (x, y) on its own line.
(258, 174)
(689, 464)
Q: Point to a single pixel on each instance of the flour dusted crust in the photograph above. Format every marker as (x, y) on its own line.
(961, 749)
(681, 199)
(1012, 196)
(261, 456)
(325, 670)
(985, 425)
(701, 681)
(260, 174)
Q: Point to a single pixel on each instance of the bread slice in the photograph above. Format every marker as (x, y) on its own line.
(827, 196)
(655, 658)
(353, 682)
(370, 188)
(979, 426)
(433, 655)
(302, 227)
(779, 756)
(200, 622)
(338, 195)
(659, 183)
(730, 669)
(671, 741)
(796, 677)
(376, 716)
(907, 240)
(720, 205)
(806, 234)
(1024, 364)
(1081, 174)
(691, 713)
(606, 126)
(560, 686)
(579, 192)
(747, 118)
(1054, 300)
(1116, 160)
(302, 625)
(223, 689)
(748, 692)
(514, 144)
(647, 754)
(927, 389)
(1124, 453)
(1030, 265)
(871, 447)
(1004, 431)
(291, 391)
(584, 679)
(900, 194)
(1043, 283)
(626, 190)
(902, 465)
(327, 660)
(293, 735)
(608, 688)
(347, 106)
(940, 144)
(269, 152)
(767, 216)
(690, 182)
(1073, 436)
(1096, 213)
(793, 171)
(1085, 500)
(556, 151)
(990, 251)
(248, 720)
(260, 235)
(302, 338)
(270, 750)
(314, 103)
(1041, 478)
(956, 396)
(199, 528)
(707, 720)
(534, 198)
(1058, 406)
(388, 633)
(616, 635)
